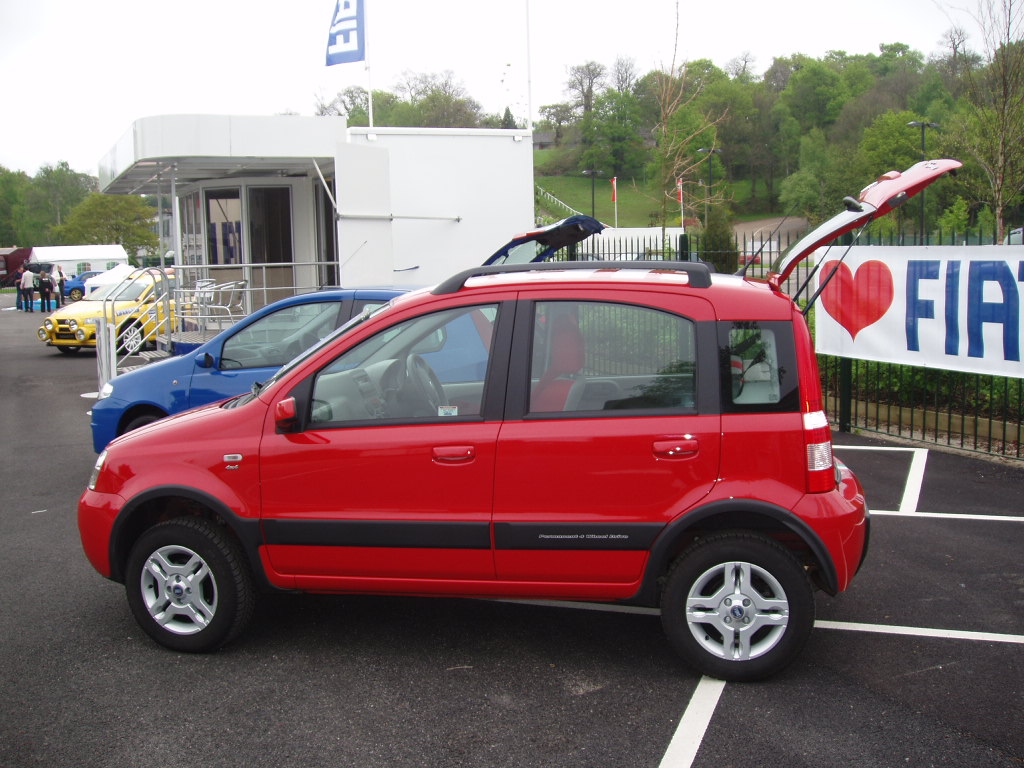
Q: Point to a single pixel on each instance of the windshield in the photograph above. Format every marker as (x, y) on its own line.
(362, 317)
(132, 292)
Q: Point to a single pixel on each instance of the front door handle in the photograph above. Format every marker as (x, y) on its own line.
(676, 447)
(453, 454)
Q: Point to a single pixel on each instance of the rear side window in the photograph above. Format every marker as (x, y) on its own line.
(758, 367)
(597, 356)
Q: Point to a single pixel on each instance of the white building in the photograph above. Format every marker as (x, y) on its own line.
(307, 201)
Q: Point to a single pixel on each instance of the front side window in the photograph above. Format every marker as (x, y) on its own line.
(276, 338)
(432, 367)
(596, 356)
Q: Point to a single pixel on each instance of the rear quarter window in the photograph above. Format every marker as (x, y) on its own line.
(758, 368)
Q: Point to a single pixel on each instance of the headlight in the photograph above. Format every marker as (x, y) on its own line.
(106, 391)
(80, 334)
(97, 468)
(48, 324)
(42, 334)
(73, 325)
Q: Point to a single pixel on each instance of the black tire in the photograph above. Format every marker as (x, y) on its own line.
(140, 421)
(76, 294)
(737, 606)
(189, 586)
(69, 350)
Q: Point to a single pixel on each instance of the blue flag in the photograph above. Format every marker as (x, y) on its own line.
(347, 40)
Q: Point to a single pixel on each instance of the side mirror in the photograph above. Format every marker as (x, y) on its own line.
(205, 360)
(285, 415)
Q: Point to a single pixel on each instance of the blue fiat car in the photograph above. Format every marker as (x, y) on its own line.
(228, 364)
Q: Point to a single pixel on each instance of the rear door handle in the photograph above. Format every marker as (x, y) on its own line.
(676, 447)
(453, 454)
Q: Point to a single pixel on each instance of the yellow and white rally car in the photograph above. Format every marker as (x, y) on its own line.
(135, 307)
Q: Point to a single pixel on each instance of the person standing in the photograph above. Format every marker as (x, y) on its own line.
(45, 290)
(17, 286)
(59, 278)
(28, 284)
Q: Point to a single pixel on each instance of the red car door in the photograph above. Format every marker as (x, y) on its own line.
(389, 485)
(613, 442)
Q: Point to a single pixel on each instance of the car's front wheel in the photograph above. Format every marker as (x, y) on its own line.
(737, 606)
(131, 338)
(76, 294)
(140, 421)
(189, 586)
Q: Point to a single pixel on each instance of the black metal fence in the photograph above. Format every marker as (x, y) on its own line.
(974, 412)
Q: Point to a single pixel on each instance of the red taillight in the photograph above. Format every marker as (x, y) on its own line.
(821, 475)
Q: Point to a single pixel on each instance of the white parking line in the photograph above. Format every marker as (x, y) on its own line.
(949, 516)
(948, 634)
(690, 732)
(915, 475)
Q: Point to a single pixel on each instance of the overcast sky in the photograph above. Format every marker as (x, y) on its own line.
(74, 75)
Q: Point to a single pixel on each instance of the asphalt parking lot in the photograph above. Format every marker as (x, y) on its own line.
(920, 663)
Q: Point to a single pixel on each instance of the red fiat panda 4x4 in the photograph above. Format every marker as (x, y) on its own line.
(642, 432)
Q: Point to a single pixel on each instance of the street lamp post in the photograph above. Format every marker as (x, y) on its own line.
(711, 179)
(924, 126)
(593, 174)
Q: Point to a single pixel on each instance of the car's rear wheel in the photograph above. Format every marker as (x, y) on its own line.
(737, 606)
(188, 585)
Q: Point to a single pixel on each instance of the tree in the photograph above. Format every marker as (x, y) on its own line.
(990, 123)
(559, 116)
(13, 187)
(624, 76)
(826, 175)
(681, 129)
(720, 241)
(101, 219)
(612, 135)
(815, 94)
(888, 144)
(584, 81)
(351, 103)
(55, 190)
(507, 121)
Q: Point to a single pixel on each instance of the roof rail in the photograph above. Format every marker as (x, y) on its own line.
(699, 273)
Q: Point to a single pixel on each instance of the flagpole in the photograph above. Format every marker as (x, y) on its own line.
(369, 84)
(682, 214)
(615, 198)
(529, 72)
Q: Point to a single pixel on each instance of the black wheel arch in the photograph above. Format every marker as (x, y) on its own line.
(748, 515)
(169, 502)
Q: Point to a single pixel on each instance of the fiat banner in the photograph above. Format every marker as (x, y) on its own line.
(937, 307)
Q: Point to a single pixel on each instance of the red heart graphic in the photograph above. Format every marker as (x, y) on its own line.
(857, 302)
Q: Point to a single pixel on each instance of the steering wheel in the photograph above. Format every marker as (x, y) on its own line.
(426, 384)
